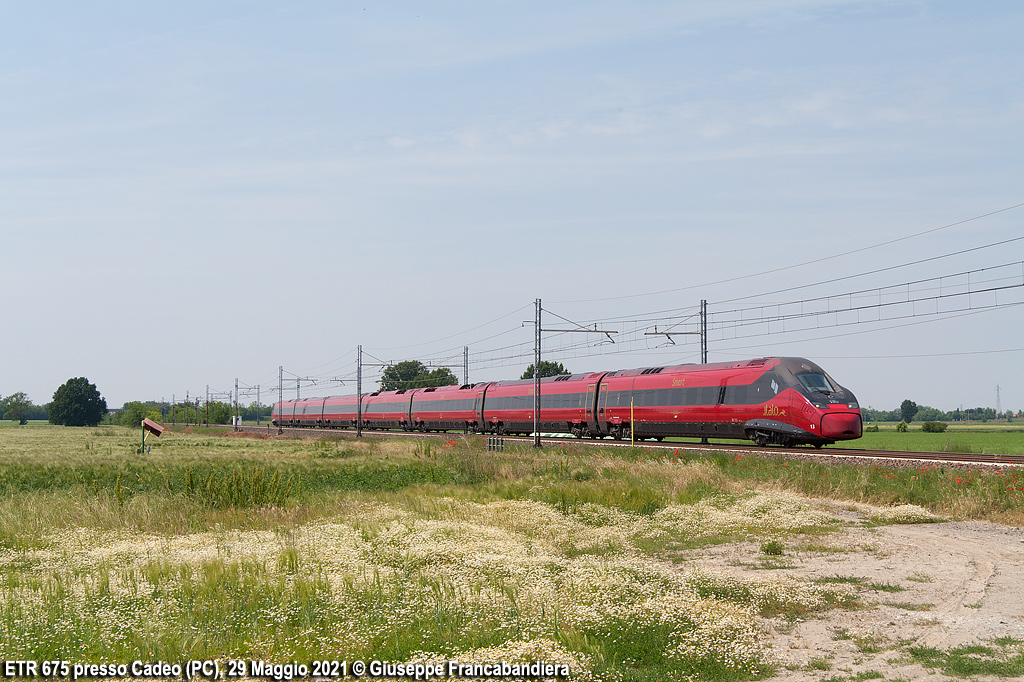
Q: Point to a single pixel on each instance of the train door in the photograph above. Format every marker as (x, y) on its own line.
(591, 419)
(478, 407)
(408, 410)
(602, 411)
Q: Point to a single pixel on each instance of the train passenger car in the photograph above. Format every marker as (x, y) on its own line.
(447, 407)
(282, 412)
(565, 403)
(781, 401)
(308, 412)
(508, 407)
(340, 412)
(387, 409)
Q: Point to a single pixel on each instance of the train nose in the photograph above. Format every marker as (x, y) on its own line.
(841, 425)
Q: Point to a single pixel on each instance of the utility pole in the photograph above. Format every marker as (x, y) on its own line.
(704, 342)
(236, 404)
(298, 383)
(257, 404)
(359, 391)
(465, 364)
(536, 382)
(173, 410)
(703, 332)
(999, 404)
(207, 403)
(536, 362)
(280, 398)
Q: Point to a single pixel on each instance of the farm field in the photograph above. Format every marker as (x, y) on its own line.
(633, 565)
(1003, 440)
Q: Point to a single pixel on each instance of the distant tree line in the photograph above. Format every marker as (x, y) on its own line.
(17, 407)
(414, 374)
(79, 403)
(76, 402)
(910, 411)
(214, 412)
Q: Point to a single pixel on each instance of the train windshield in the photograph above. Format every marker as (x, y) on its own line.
(816, 382)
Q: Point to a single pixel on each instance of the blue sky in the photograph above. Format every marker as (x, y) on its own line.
(194, 192)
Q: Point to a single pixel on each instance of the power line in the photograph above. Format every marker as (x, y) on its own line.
(799, 265)
(919, 355)
(878, 329)
(870, 272)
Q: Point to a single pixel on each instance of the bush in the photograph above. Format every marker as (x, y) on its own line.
(871, 429)
(934, 427)
(902, 427)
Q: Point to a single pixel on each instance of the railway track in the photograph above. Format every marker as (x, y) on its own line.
(895, 456)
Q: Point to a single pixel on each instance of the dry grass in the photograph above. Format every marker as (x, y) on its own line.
(406, 551)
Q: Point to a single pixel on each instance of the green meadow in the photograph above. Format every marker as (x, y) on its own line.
(219, 545)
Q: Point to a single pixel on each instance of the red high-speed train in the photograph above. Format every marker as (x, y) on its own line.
(771, 401)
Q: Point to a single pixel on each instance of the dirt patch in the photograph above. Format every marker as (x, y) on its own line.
(940, 585)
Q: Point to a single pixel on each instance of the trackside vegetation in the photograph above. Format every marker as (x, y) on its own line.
(221, 545)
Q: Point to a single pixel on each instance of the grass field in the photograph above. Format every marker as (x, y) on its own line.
(1003, 439)
(217, 545)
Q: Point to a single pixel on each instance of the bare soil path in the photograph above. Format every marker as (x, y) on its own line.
(939, 585)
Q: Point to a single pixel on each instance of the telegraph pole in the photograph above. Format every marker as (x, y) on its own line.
(207, 403)
(257, 404)
(280, 398)
(236, 404)
(465, 364)
(359, 391)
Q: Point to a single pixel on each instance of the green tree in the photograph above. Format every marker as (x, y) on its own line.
(249, 413)
(414, 374)
(908, 408)
(77, 403)
(220, 412)
(930, 414)
(38, 412)
(547, 369)
(131, 414)
(16, 407)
